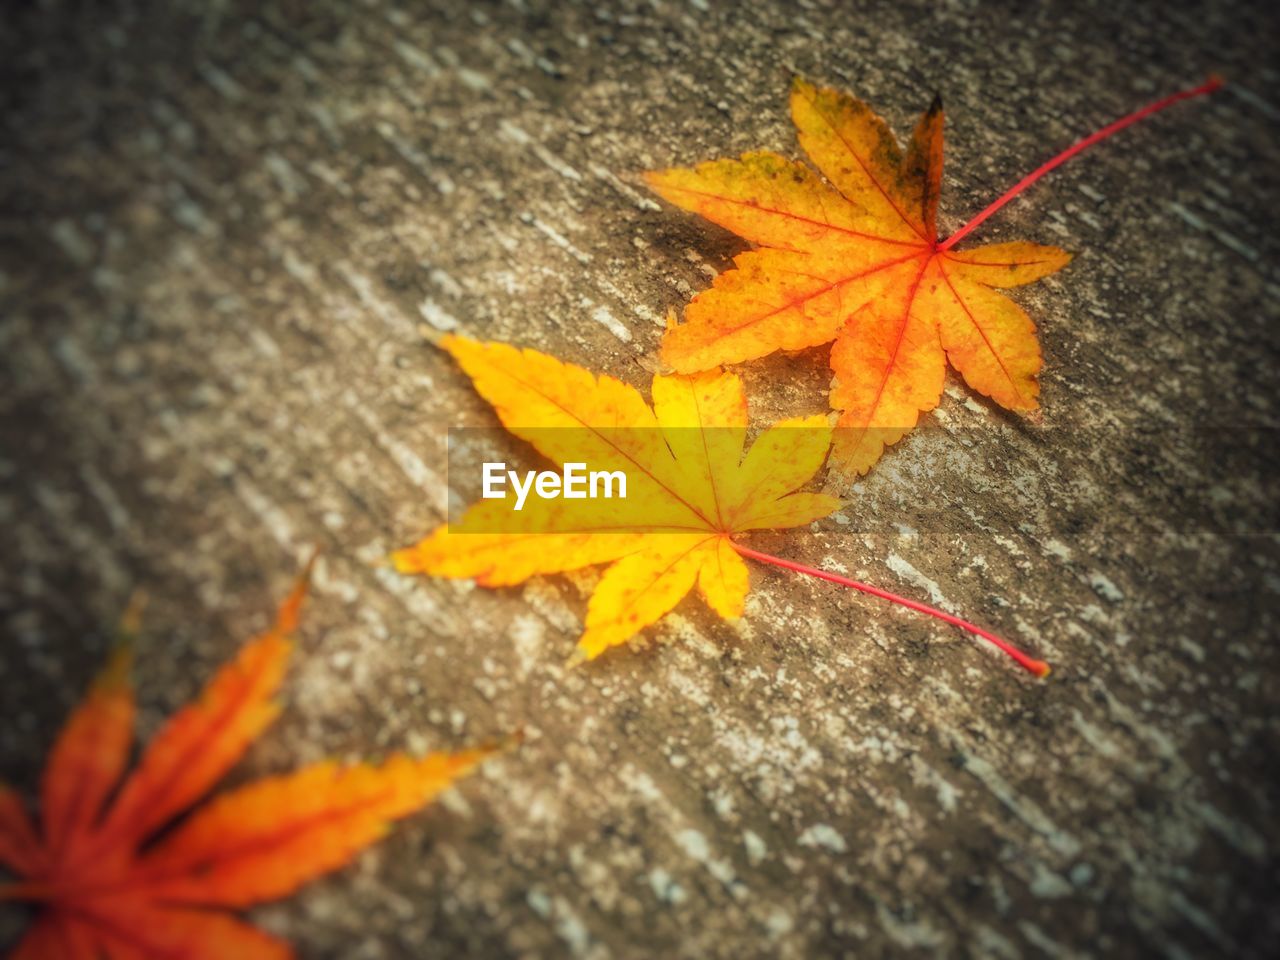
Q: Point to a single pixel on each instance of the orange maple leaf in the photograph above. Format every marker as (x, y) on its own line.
(856, 259)
(113, 883)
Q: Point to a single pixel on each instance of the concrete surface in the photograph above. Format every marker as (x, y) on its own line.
(222, 223)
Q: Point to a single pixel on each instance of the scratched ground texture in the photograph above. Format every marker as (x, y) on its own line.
(224, 224)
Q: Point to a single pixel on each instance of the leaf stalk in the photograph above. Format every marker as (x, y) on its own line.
(1037, 667)
(1209, 86)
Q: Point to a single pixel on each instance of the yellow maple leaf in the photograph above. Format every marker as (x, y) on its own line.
(691, 489)
(692, 492)
(855, 258)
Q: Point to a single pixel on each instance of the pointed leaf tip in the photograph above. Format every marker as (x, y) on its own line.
(287, 615)
(131, 619)
(115, 675)
(430, 334)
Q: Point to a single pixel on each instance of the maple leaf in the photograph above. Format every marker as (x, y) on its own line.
(692, 492)
(855, 258)
(118, 878)
(690, 488)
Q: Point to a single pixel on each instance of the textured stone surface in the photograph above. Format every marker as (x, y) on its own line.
(223, 223)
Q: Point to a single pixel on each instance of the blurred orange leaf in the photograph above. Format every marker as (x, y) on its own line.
(118, 874)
